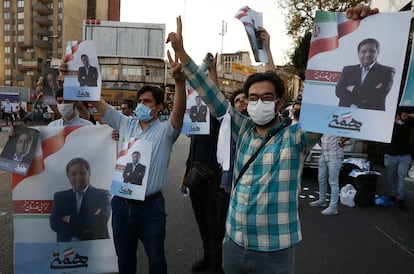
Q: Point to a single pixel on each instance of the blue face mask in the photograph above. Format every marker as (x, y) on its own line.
(143, 113)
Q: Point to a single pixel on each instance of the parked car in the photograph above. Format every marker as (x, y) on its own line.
(354, 148)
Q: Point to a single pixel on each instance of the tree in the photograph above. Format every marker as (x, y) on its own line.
(300, 13)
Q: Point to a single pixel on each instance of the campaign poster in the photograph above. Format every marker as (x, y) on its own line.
(54, 231)
(19, 150)
(252, 21)
(51, 86)
(83, 78)
(407, 99)
(130, 176)
(353, 75)
(197, 114)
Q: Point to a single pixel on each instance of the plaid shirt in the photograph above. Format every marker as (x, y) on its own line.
(263, 211)
(330, 148)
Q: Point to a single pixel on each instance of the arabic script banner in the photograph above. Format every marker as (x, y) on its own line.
(37, 248)
(341, 99)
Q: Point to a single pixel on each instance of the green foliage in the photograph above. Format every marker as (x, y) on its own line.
(300, 13)
(300, 55)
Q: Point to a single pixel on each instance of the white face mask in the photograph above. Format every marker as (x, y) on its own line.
(66, 110)
(261, 113)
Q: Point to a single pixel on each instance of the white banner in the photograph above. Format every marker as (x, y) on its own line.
(80, 242)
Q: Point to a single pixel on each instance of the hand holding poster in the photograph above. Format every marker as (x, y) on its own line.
(253, 21)
(197, 114)
(83, 79)
(356, 94)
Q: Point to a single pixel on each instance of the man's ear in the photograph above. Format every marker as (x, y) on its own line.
(279, 104)
(160, 107)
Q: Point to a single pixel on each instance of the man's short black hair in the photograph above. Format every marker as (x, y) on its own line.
(369, 41)
(157, 92)
(75, 161)
(129, 103)
(269, 76)
(234, 95)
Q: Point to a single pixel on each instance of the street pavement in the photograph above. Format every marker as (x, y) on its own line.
(358, 240)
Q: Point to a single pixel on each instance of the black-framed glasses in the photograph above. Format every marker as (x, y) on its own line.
(266, 98)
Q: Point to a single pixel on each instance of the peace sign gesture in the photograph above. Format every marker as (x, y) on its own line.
(176, 69)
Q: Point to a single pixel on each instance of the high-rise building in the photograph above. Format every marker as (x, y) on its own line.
(35, 32)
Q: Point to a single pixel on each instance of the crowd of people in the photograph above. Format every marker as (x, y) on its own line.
(247, 211)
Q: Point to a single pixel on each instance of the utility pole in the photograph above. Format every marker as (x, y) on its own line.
(223, 32)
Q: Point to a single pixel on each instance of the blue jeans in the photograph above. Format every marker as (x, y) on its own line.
(397, 167)
(143, 221)
(329, 170)
(237, 260)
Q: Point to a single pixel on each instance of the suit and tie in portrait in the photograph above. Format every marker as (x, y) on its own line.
(198, 112)
(134, 172)
(87, 75)
(366, 85)
(82, 212)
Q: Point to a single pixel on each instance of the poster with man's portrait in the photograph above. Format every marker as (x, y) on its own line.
(130, 176)
(19, 150)
(353, 75)
(197, 114)
(51, 86)
(83, 79)
(61, 208)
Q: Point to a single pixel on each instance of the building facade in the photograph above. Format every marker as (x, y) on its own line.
(35, 32)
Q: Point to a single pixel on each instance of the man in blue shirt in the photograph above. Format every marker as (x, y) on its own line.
(134, 220)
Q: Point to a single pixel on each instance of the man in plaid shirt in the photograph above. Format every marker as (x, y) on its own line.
(263, 222)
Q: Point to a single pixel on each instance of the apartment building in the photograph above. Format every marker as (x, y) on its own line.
(35, 33)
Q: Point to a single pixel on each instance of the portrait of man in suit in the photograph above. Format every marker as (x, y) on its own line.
(21, 150)
(198, 112)
(88, 75)
(82, 212)
(367, 84)
(134, 172)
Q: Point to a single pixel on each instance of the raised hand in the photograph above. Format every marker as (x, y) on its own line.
(176, 69)
(360, 11)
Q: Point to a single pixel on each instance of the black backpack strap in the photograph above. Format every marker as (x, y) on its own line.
(254, 156)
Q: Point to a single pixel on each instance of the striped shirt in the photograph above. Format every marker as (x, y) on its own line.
(263, 211)
(330, 148)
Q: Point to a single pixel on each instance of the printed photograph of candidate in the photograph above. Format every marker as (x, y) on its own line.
(21, 148)
(365, 85)
(81, 212)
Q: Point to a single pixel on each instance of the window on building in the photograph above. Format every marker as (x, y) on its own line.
(60, 16)
(6, 4)
(6, 49)
(20, 26)
(20, 38)
(91, 9)
(19, 61)
(7, 61)
(6, 27)
(60, 4)
(7, 82)
(109, 70)
(20, 3)
(6, 15)
(7, 72)
(20, 15)
(30, 72)
(6, 38)
(131, 70)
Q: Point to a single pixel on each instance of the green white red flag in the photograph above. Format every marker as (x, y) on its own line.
(328, 28)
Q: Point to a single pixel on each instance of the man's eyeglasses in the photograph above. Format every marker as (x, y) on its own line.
(266, 98)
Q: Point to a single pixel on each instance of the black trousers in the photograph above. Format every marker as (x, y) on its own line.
(206, 212)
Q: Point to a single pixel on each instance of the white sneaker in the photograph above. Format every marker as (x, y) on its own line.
(329, 211)
(318, 203)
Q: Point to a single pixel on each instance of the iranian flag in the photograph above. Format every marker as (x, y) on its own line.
(328, 28)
